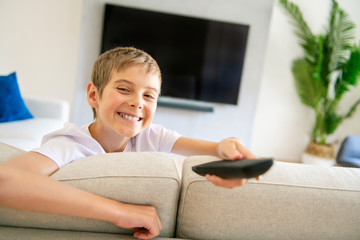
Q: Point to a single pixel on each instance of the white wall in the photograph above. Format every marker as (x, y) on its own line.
(283, 124)
(226, 120)
(44, 41)
(39, 40)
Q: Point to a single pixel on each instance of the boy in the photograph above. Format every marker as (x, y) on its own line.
(123, 94)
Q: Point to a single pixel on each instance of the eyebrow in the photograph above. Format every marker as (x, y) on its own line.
(131, 83)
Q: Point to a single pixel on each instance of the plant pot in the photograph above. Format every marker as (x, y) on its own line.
(319, 154)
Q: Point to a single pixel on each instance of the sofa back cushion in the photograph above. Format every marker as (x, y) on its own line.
(7, 152)
(137, 178)
(293, 201)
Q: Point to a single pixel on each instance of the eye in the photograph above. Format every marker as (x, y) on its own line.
(150, 96)
(122, 89)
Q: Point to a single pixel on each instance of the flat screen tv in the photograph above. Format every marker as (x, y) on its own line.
(200, 59)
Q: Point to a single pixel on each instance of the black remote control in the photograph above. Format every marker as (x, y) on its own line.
(244, 168)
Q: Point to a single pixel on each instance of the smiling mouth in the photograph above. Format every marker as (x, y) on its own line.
(131, 118)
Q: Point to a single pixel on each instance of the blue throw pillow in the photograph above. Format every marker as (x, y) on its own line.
(12, 106)
(349, 152)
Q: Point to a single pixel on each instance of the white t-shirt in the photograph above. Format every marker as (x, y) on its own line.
(74, 142)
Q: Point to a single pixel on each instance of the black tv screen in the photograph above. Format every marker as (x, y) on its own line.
(199, 59)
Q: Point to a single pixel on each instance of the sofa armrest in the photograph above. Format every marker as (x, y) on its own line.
(137, 178)
(293, 201)
(48, 108)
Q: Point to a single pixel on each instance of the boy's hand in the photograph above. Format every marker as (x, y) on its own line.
(226, 183)
(231, 149)
(143, 220)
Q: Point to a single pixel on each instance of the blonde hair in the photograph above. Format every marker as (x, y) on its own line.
(119, 59)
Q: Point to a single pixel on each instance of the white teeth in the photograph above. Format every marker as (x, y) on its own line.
(129, 117)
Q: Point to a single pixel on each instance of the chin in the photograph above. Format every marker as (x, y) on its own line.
(129, 133)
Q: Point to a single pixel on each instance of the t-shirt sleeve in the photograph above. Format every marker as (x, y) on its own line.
(61, 150)
(67, 145)
(167, 139)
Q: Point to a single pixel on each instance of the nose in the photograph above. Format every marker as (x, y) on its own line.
(136, 102)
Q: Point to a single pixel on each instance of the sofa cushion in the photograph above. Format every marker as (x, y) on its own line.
(293, 201)
(137, 178)
(7, 152)
(27, 134)
(46, 234)
(12, 106)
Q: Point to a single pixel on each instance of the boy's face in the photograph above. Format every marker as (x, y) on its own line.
(128, 102)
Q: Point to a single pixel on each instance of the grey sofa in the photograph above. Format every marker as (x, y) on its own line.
(292, 201)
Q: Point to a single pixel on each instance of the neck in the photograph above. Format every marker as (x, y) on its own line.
(109, 140)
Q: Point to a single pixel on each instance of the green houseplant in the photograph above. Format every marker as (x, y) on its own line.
(329, 68)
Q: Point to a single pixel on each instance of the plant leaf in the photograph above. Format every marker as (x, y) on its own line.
(352, 109)
(339, 37)
(302, 31)
(308, 88)
(349, 73)
(332, 121)
(351, 68)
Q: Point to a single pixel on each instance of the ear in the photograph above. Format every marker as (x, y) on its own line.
(92, 95)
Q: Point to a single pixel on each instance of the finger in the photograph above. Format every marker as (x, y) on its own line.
(226, 183)
(232, 151)
(231, 183)
(224, 156)
(235, 154)
(240, 149)
(150, 230)
(155, 222)
(245, 152)
(144, 233)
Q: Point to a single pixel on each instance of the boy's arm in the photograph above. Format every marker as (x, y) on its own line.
(229, 148)
(25, 184)
(190, 146)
